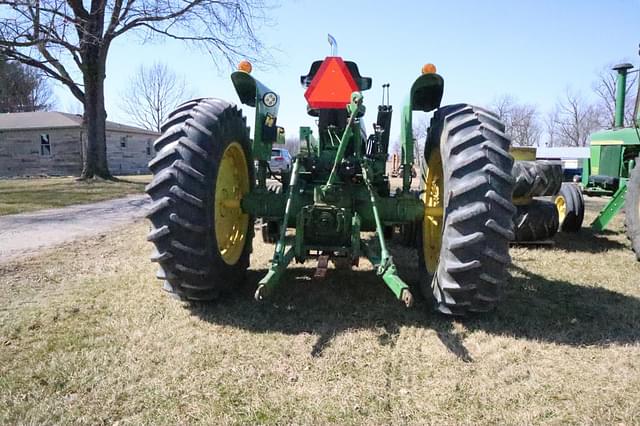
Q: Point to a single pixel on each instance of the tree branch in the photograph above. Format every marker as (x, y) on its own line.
(156, 18)
(51, 72)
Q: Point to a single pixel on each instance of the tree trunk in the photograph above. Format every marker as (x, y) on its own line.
(95, 116)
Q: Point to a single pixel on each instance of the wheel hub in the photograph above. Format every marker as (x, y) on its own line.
(230, 223)
(561, 205)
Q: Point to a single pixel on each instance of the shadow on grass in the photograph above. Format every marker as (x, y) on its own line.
(588, 241)
(534, 308)
(560, 312)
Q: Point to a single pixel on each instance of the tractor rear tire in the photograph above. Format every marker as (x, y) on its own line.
(632, 209)
(201, 170)
(570, 206)
(536, 178)
(465, 251)
(536, 221)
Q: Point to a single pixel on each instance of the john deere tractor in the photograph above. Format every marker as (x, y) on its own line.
(612, 168)
(211, 182)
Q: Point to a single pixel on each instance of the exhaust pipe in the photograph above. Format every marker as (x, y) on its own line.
(621, 87)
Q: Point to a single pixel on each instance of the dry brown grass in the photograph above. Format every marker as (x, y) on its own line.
(86, 336)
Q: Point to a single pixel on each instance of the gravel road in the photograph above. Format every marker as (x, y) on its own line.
(26, 233)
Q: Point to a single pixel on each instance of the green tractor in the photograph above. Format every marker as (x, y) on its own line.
(612, 167)
(211, 182)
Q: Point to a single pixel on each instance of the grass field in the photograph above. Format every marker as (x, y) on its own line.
(25, 195)
(86, 336)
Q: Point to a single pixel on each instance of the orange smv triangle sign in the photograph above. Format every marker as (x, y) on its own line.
(332, 85)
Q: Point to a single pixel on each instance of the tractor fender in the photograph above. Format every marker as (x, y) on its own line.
(426, 92)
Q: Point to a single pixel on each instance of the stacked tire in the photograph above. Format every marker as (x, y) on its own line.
(536, 178)
(570, 205)
(536, 219)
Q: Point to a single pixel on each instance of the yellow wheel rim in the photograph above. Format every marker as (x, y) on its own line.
(230, 223)
(561, 205)
(433, 211)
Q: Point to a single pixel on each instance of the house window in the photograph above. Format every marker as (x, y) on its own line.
(148, 147)
(123, 142)
(45, 145)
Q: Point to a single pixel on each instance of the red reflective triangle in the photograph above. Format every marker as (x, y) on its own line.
(332, 85)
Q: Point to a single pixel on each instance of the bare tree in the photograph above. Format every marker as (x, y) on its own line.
(605, 89)
(152, 93)
(522, 121)
(42, 97)
(551, 124)
(420, 131)
(502, 106)
(55, 35)
(22, 89)
(573, 120)
(292, 144)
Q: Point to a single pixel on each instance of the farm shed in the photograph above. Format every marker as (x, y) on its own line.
(50, 143)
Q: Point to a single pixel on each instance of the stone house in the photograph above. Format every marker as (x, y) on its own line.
(50, 143)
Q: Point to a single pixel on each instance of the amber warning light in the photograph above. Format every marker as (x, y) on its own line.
(245, 66)
(428, 69)
(332, 85)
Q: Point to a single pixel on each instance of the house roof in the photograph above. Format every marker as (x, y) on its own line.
(53, 119)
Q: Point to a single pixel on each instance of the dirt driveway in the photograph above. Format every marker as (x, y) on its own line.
(25, 233)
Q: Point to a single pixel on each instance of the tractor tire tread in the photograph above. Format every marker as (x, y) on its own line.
(536, 178)
(536, 221)
(574, 204)
(632, 208)
(478, 210)
(187, 155)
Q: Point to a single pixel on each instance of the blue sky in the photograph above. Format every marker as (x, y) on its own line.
(533, 50)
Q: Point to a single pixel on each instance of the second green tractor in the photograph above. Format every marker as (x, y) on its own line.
(612, 168)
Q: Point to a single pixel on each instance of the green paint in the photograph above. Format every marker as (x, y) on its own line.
(338, 187)
(354, 108)
(406, 147)
(611, 209)
(393, 210)
(612, 154)
(425, 95)
(609, 164)
(621, 87)
(586, 172)
(310, 143)
(251, 92)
